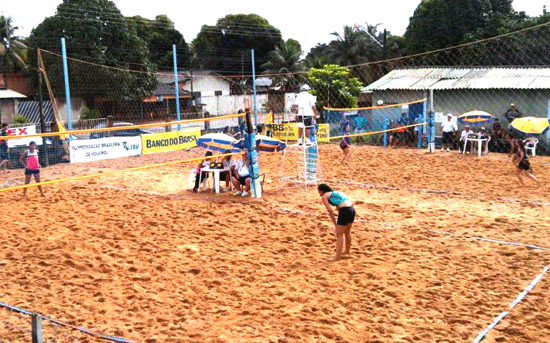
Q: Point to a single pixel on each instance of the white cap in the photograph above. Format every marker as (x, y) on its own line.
(380, 102)
(449, 114)
(305, 87)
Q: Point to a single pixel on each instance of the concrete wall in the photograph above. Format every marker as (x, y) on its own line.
(231, 104)
(8, 110)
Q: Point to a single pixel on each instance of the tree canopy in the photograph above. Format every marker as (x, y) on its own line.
(160, 34)
(96, 31)
(225, 47)
(334, 86)
(285, 61)
(438, 24)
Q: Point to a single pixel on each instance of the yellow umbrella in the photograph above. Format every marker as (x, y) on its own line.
(531, 126)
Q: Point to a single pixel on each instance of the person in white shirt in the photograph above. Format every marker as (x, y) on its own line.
(449, 128)
(465, 133)
(241, 176)
(306, 112)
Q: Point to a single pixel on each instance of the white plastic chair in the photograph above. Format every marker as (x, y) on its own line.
(531, 144)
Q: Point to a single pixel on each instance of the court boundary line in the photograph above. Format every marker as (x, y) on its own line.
(436, 191)
(513, 304)
(60, 323)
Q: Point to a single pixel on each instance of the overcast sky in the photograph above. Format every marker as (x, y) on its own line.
(296, 19)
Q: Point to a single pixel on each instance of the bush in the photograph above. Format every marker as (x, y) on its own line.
(20, 119)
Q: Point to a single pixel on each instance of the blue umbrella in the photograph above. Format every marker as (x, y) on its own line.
(476, 118)
(264, 143)
(218, 142)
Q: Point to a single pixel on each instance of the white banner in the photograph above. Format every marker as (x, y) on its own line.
(86, 150)
(22, 132)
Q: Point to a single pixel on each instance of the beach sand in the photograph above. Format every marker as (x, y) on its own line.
(138, 255)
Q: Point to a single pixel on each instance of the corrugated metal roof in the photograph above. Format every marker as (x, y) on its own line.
(463, 78)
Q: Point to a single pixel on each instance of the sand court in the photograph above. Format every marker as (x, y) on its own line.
(139, 256)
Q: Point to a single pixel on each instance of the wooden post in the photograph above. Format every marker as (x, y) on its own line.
(36, 321)
(45, 157)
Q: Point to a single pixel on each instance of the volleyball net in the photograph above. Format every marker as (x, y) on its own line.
(390, 125)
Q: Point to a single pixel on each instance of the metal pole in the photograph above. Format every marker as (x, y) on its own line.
(67, 89)
(254, 87)
(36, 322)
(177, 86)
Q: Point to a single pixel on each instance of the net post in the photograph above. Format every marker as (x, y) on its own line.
(422, 127)
(36, 322)
(67, 89)
(254, 89)
(253, 165)
(44, 157)
(176, 83)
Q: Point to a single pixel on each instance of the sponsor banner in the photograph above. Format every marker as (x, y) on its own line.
(289, 131)
(170, 141)
(22, 132)
(86, 150)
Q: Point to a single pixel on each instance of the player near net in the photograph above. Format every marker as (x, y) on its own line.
(346, 217)
(305, 114)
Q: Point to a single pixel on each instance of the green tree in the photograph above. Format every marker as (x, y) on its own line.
(225, 47)
(334, 87)
(13, 52)
(95, 31)
(286, 64)
(160, 34)
(349, 48)
(438, 24)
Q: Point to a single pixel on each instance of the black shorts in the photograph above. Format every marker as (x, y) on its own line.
(447, 138)
(307, 120)
(32, 171)
(524, 164)
(242, 179)
(4, 155)
(346, 215)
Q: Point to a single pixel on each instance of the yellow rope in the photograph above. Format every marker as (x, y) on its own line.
(375, 132)
(373, 107)
(121, 128)
(113, 172)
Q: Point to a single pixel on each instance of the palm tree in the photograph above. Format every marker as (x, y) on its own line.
(12, 50)
(348, 49)
(285, 63)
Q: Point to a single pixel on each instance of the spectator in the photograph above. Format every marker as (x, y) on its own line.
(228, 164)
(448, 128)
(465, 133)
(483, 134)
(512, 113)
(4, 151)
(201, 176)
(241, 177)
(498, 131)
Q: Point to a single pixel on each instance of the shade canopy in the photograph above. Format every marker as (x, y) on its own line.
(475, 118)
(264, 143)
(218, 142)
(530, 126)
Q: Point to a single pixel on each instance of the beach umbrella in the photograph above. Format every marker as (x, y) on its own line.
(475, 118)
(530, 126)
(264, 143)
(218, 142)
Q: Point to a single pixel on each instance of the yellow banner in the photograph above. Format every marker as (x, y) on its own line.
(289, 131)
(170, 141)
